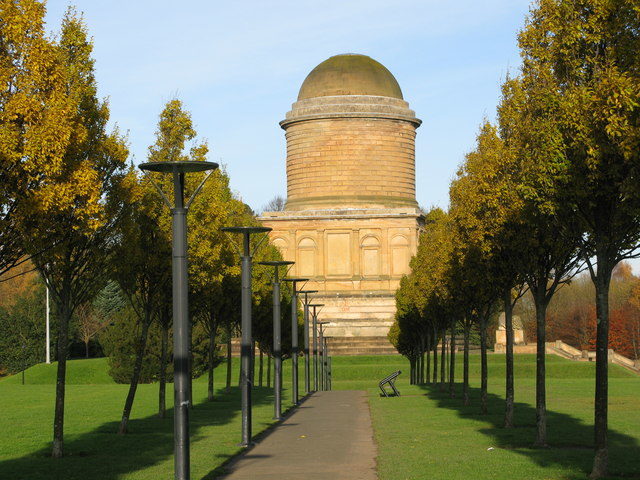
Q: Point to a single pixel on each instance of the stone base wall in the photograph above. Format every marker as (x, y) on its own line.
(354, 258)
(357, 315)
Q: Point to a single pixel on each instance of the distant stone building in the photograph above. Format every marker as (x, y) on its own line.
(351, 220)
(501, 332)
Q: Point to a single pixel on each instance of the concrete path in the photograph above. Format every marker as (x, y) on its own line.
(328, 437)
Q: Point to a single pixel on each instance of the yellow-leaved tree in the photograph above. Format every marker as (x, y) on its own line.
(77, 206)
(35, 121)
(584, 56)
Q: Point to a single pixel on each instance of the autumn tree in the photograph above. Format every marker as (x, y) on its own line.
(35, 122)
(532, 142)
(423, 301)
(212, 260)
(175, 141)
(404, 335)
(142, 269)
(584, 55)
(78, 206)
(487, 216)
(633, 324)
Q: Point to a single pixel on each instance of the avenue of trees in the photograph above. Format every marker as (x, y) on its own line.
(77, 216)
(550, 190)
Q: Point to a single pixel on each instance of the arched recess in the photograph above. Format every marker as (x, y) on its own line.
(282, 245)
(370, 256)
(306, 262)
(399, 255)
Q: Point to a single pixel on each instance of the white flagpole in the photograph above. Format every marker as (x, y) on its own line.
(47, 335)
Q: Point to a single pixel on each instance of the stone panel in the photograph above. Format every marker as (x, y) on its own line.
(338, 253)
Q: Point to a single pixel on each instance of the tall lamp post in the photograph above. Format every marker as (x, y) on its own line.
(323, 353)
(181, 340)
(246, 340)
(315, 306)
(294, 336)
(277, 337)
(307, 366)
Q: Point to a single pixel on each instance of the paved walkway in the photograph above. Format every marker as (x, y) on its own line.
(328, 437)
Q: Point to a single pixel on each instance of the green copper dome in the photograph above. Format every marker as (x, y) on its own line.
(350, 74)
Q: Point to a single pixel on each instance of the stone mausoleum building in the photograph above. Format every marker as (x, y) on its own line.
(351, 220)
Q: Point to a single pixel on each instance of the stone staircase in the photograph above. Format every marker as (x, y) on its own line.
(337, 346)
(360, 346)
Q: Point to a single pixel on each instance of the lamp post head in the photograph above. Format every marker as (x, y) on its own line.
(294, 281)
(178, 166)
(276, 263)
(246, 233)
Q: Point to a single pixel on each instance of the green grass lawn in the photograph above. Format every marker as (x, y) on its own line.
(421, 435)
(93, 409)
(424, 434)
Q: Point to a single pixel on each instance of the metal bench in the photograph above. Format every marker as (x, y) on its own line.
(389, 380)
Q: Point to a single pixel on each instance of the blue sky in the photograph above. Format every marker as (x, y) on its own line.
(238, 66)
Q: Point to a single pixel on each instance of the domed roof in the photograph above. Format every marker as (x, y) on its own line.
(350, 74)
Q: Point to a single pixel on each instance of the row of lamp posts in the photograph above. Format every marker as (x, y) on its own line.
(181, 325)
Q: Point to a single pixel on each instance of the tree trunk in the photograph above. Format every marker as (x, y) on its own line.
(137, 368)
(63, 349)
(508, 325)
(465, 367)
(539, 297)
(411, 370)
(268, 370)
(213, 327)
(252, 363)
(435, 359)
(412, 365)
(452, 361)
(419, 362)
(162, 393)
(443, 366)
(484, 408)
(227, 387)
(260, 369)
(428, 355)
(602, 284)
(86, 349)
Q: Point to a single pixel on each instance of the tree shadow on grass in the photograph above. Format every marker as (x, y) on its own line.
(101, 454)
(570, 439)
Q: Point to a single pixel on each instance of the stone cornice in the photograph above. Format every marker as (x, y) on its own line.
(346, 214)
(350, 106)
